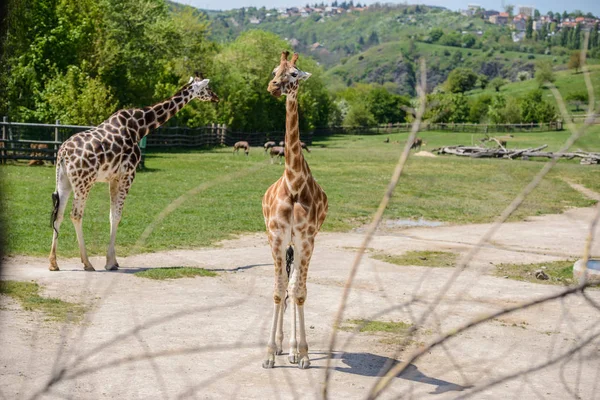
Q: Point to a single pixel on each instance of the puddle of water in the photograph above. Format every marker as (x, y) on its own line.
(409, 223)
(402, 223)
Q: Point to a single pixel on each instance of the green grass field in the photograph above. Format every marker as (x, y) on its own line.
(353, 170)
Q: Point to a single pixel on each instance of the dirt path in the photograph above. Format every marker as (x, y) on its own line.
(204, 337)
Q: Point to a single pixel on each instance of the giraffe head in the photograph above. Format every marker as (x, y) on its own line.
(286, 76)
(198, 86)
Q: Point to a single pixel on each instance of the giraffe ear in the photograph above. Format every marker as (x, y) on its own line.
(191, 80)
(302, 76)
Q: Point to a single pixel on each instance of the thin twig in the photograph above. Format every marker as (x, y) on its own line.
(373, 226)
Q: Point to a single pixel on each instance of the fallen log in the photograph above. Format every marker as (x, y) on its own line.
(502, 152)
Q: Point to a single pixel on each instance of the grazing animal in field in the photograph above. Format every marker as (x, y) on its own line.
(37, 153)
(294, 209)
(302, 144)
(241, 145)
(268, 145)
(418, 142)
(110, 153)
(387, 140)
(278, 152)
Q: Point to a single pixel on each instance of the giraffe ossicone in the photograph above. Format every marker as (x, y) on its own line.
(294, 209)
(110, 153)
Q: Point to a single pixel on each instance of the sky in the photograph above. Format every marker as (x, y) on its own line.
(544, 6)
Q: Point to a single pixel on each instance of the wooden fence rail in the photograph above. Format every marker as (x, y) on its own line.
(20, 140)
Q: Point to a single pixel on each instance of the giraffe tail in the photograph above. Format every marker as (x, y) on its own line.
(289, 264)
(54, 215)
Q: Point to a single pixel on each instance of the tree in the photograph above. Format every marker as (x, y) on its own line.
(482, 81)
(523, 75)
(575, 61)
(479, 108)
(497, 83)
(536, 14)
(359, 115)
(373, 39)
(460, 80)
(576, 41)
(529, 28)
(469, 40)
(386, 107)
(436, 34)
(544, 73)
(447, 108)
(509, 8)
(577, 99)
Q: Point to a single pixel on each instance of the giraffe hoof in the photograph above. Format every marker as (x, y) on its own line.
(54, 267)
(111, 268)
(270, 363)
(88, 268)
(293, 357)
(278, 352)
(304, 363)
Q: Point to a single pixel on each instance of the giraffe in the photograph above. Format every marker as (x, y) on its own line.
(294, 209)
(110, 153)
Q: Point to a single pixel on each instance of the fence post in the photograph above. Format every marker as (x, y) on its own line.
(5, 120)
(56, 139)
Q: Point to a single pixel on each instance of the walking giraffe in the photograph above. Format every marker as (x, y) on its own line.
(110, 153)
(294, 208)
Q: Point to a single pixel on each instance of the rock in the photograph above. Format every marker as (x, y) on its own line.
(541, 275)
(592, 272)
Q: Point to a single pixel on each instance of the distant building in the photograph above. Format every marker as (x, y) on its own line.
(537, 25)
(499, 19)
(519, 23)
(488, 13)
(528, 11)
(518, 36)
(254, 20)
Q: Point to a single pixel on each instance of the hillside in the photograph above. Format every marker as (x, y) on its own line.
(393, 62)
(567, 82)
(382, 43)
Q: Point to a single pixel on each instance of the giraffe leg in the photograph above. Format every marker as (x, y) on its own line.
(118, 193)
(79, 199)
(302, 254)
(293, 355)
(279, 335)
(280, 285)
(63, 192)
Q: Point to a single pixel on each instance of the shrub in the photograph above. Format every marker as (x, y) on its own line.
(523, 76)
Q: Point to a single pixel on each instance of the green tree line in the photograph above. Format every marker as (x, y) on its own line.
(81, 61)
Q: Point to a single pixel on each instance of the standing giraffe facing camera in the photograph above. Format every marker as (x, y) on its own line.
(110, 153)
(294, 208)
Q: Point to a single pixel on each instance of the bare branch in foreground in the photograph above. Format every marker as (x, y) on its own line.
(375, 223)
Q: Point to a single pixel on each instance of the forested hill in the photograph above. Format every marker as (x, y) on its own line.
(379, 43)
(81, 61)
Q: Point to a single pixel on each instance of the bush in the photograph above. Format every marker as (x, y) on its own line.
(460, 80)
(530, 57)
(544, 73)
(523, 76)
(497, 83)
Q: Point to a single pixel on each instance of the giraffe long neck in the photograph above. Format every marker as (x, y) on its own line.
(158, 114)
(294, 159)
